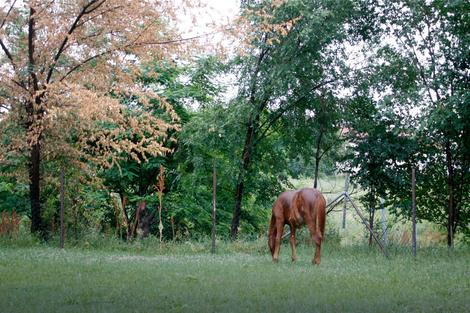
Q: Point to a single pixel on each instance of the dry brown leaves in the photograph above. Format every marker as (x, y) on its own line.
(81, 59)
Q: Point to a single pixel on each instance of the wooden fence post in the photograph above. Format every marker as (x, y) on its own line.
(384, 223)
(62, 191)
(413, 210)
(214, 186)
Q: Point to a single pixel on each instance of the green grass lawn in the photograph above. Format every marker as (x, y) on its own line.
(45, 279)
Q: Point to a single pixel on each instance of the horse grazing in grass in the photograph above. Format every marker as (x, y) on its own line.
(297, 208)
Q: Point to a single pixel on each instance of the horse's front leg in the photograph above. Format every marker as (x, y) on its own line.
(277, 240)
(292, 243)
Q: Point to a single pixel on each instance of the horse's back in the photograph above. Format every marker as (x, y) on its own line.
(312, 195)
(310, 199)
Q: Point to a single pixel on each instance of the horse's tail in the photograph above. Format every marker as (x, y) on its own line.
(321, 216)
(272, 233)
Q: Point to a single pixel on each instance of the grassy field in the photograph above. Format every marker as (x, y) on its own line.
(241, 278)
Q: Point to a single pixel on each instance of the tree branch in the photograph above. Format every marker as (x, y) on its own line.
(20, 84)
(85, 10)
(325, 151)
(45, 7)
(88, 8)
(140, 44)
(31, 38)
(427, 42)
(4, 48)
(270, 122)
(76, 67)
(99, 14)
(417, 63)
(261, 56)
(8, 13)
(166, 42)
(8, 54)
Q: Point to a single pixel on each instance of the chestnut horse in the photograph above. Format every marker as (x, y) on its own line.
(296, 208)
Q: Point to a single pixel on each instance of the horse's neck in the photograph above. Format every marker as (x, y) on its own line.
(295, 214)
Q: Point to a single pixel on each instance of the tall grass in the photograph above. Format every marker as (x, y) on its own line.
(185, 277)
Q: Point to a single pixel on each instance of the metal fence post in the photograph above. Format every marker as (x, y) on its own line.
(345, 207)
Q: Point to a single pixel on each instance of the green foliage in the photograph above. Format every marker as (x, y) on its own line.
(13, 195)
(188, 193)
(212, 137)
(410, 109)
(286, 84)
(14, 191)
(405, 105)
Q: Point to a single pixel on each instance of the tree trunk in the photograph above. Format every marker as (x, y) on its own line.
(34, 113)
(239, 190)
(318, 154)
(317, 158)
(137, 220)
(317, 165)
(246, 160)
(251, 133)
(34, 189)
(237, 212)
(345, 207)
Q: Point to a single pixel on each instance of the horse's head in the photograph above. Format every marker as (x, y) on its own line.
(282, 204)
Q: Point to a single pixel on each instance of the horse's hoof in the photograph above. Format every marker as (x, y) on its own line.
(293, 260)
(274, 260)
(316, 262)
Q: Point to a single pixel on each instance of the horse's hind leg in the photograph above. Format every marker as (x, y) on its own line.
(316, 237)
(317, 256)
(292, 243)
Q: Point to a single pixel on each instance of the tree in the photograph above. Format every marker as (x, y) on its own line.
(433, 37)
(64, 62)
(418, 82)
(381, 152)
(135, 179)
(296, 49)
(312, 131)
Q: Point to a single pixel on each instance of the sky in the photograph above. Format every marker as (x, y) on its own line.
(212, 13)
(222, 9)
(217, 12)
(196, 22)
